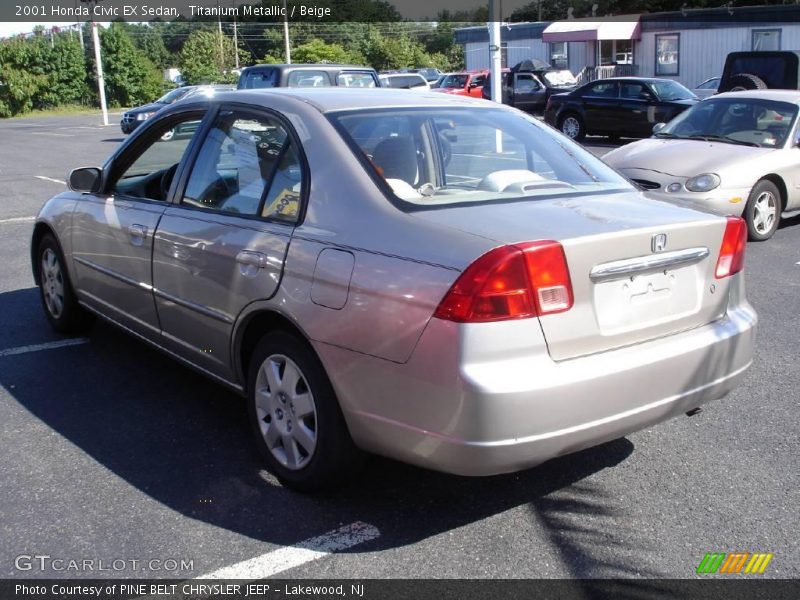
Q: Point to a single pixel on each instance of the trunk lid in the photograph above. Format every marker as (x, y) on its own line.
(640, 268)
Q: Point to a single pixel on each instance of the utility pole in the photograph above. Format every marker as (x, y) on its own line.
(221, 49)
(495, 54)
(98, 62)
(101, 82)
(286, 33)
(235, 36)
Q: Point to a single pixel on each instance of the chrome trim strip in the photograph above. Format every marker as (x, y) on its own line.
(200, 308)
(113, 274)
(620, 269)
(234, 386)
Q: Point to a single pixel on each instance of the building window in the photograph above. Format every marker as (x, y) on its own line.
(559, 55)
(766, 39)
(667, 53)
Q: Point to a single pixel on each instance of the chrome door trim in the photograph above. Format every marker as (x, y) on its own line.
(113, 274)
(200, 308)
(621, 269)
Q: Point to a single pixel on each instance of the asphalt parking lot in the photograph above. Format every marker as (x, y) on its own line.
(113, 452)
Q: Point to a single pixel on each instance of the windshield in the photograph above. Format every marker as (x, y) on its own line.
(440, 156)
(751, 121)
(174, 95)
(671, 90)
(560, 78)
(454, 81)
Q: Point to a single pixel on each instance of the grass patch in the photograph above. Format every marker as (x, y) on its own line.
(66, 110)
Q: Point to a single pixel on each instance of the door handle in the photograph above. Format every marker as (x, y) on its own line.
(250, 260)
(138, 233)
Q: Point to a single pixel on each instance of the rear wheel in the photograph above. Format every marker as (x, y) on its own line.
(58, 297)
(296, 420)
(763, 211)
(572, 126)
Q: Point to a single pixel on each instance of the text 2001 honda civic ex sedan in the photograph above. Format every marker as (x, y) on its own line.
(439, 280)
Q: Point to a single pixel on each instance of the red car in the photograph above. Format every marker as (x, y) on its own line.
(466, 83)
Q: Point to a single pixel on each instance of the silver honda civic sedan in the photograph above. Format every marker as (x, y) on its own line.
(440, 280)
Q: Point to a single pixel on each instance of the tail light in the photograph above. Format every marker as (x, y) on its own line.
(510, 282)
(731, 252)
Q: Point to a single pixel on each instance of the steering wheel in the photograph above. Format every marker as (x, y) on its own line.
(166, 181)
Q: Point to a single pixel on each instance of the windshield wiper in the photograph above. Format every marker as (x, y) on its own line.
(665, 134)
(723, 138)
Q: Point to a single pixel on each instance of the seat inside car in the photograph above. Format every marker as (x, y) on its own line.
(397, 158)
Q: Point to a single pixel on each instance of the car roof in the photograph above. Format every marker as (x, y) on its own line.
(638, 79)
(310, 66)
(792, 96)
(336, 98)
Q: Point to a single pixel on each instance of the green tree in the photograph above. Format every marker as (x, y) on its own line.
(150, 40)
(131, 78)
(207, 57)
(317, 51)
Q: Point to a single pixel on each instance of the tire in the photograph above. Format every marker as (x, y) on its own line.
(305, 443)
(56, 292)
(762, 211)
(741, 82)
(571, 125)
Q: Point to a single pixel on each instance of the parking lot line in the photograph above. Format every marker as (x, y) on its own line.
(42, 177)
(18, 220)
(52, 133)
(45, 346)
(282, 559)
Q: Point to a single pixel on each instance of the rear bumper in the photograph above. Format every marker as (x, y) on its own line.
(494, 410)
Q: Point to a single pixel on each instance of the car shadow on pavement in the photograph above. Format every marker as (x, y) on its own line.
(184, 441)
(115, 140)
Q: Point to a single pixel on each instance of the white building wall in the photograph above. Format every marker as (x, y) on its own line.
(476, 54)
(702, 52)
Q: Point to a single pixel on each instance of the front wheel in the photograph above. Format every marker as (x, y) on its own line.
(168, 135)
(571, 125)
(763, 211)
(55, 288)
(298, 426)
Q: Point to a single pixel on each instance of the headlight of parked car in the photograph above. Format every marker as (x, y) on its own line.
(703, 183)
(144, 116)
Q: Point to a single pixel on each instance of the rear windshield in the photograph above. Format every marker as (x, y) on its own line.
(437, 156)
(671, 90)
(560, 78)
(454, 81)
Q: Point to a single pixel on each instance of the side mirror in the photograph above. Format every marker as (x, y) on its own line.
(658, 127)
(85, 179)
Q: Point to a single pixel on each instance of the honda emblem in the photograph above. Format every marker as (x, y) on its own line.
(659, 242)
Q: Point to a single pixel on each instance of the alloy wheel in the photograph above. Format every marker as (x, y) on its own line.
(287, 414)
(52, 283)
(764, 213)
(571, 127)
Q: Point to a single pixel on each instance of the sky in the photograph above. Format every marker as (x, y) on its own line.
(8, 29)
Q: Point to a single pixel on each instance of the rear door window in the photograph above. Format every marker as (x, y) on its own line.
(308, 78)
(355, 79)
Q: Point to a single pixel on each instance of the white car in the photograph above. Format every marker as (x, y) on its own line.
(735, 153)
(707, 88)
(405, 81)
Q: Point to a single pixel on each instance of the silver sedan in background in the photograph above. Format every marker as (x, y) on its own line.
(440, 280)
(736, 154)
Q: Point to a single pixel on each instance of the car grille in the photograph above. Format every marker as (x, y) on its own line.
(648, 185)
(126, 118)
